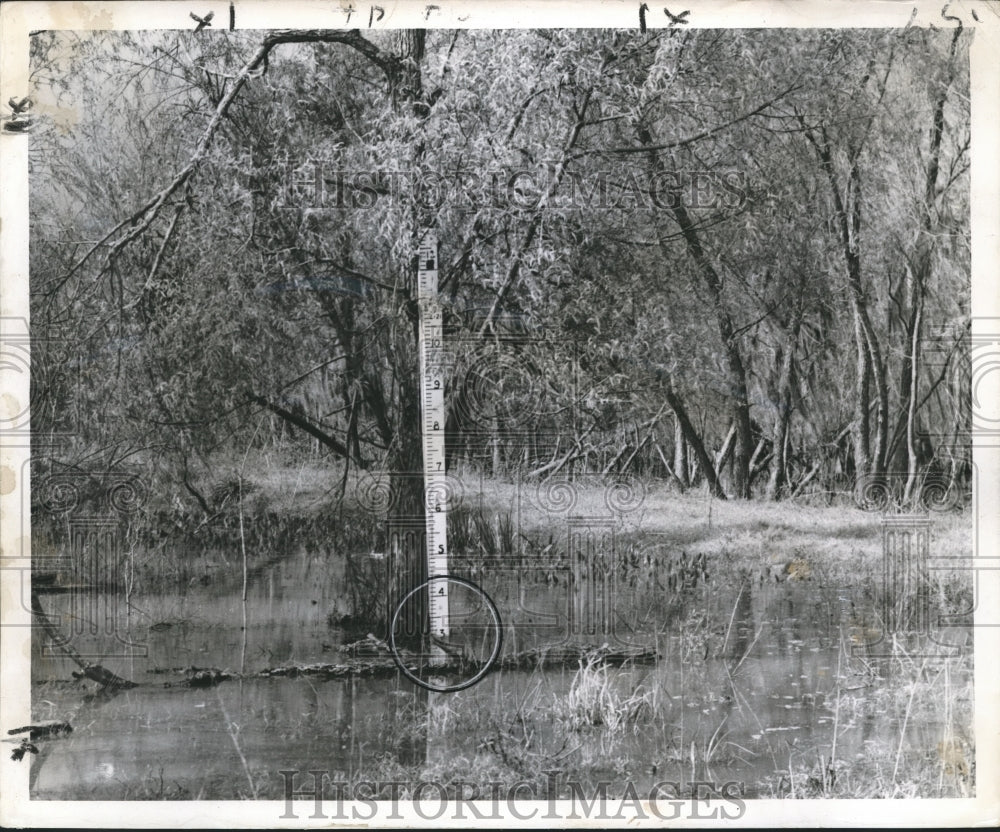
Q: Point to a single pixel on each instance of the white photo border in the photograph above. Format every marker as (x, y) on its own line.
(20, 17)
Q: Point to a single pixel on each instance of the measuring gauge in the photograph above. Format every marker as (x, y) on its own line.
(432, 361)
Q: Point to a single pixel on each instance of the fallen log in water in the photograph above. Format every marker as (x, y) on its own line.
(333, 671)
(570, 654)
(207, 678)
(26, 747)
(379, 662)
(104, 677)
(44, 730)
(94, 672)
(369, 646)
(47, 730)
(372, 658)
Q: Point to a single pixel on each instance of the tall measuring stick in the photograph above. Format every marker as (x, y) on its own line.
(431, 336)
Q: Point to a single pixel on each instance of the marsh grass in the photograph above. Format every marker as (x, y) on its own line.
(475, 530)
(596, 699)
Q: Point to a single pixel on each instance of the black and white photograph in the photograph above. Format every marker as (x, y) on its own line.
(459, 414)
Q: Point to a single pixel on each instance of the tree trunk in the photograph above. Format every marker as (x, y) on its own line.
(668, 467)
(727, 330)
(694, 440)
(912, 460)
(861, 433)
(869, 365)
(722, 457)
(680, 467)
(300, 420)
(779, 437)
(407, 519)
(919, 273)
(407, 530)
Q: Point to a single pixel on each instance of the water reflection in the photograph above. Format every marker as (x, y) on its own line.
(743, 690)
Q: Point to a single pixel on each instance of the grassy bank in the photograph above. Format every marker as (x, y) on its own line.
(265, 510)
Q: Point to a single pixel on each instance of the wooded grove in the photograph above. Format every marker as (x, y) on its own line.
(733, 259)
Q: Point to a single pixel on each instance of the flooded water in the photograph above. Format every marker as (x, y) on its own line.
(746, 687)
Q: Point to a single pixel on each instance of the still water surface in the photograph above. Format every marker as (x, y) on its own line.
(744, 688)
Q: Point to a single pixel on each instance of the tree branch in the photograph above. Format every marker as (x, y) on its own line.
(698, 136)
(143, 217)
(301, 422)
